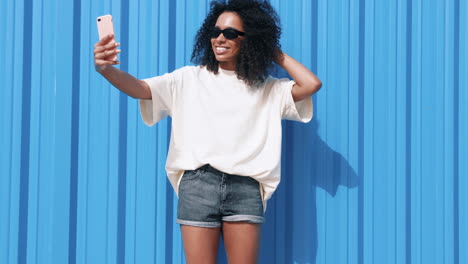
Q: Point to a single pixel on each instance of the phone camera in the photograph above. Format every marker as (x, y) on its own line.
(99, 20)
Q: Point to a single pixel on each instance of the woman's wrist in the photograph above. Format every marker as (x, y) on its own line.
(100, 68)
(279, 57)
(103, 69)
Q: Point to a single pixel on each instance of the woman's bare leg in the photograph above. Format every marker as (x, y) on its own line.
(241, 241)
(200, 244)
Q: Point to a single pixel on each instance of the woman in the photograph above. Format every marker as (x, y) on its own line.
(224, 154)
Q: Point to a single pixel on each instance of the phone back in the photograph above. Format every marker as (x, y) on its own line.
(105, 26)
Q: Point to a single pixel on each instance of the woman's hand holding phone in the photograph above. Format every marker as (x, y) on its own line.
(105, 52)
(105, 55)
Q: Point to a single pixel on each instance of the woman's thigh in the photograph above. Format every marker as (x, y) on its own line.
(200, 244)
(241, 240)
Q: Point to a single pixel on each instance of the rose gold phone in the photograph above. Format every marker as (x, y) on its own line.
(105, 27)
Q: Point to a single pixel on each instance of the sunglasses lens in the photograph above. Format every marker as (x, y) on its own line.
(230, 33)
(215, 32)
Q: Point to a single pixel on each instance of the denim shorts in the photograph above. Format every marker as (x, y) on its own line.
(208, 196)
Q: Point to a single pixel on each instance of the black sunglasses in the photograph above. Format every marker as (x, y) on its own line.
(228, 33)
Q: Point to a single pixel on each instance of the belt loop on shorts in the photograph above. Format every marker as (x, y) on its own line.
(207, 167)
(204, 168)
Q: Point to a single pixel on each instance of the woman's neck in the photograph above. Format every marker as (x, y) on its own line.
(227, 65)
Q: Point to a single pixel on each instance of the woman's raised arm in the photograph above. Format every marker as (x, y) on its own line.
(105, 50)
(306, 81)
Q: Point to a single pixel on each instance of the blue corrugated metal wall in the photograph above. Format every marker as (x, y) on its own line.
(379, 176)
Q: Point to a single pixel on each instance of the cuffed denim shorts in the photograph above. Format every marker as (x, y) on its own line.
(208, 196)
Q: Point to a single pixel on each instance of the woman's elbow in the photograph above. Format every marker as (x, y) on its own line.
(315, 87)
(144, 91)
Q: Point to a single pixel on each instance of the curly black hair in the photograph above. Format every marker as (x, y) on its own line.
(259, 47)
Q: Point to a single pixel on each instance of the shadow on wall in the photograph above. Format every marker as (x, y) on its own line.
(308, 163)
(290, 233)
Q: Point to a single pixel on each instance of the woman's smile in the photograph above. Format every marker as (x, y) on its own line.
(221, 49)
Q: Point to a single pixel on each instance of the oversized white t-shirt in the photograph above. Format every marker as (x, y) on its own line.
(219, 120)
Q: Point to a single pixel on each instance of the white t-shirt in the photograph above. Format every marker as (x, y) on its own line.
(219, 120)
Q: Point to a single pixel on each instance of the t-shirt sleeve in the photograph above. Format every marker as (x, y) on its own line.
(162, 93)
(301, 111)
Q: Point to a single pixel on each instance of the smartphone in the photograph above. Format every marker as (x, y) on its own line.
(105, 27)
